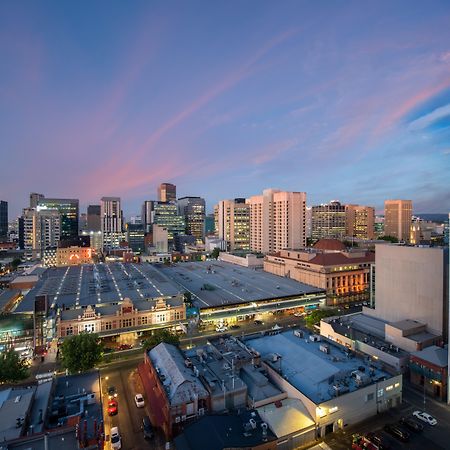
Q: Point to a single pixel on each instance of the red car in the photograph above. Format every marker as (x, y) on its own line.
(113, 407)
(125, 346)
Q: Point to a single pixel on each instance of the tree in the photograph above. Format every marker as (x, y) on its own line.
(15, 263)
(159, 336)
(215, 253)
(317, 315)
(81, 352)
(188, 298)
(392, 239)
(12, 368)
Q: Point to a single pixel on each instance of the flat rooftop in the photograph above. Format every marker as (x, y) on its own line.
(317, 374)
(99, 284)
(217, 283)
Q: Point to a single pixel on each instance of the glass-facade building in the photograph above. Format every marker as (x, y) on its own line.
(193, 211)
(166, 215)
(69, 213)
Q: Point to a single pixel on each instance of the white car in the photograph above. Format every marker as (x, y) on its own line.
(425, 417)
(221, 328)
(139, 400)
(116, 440)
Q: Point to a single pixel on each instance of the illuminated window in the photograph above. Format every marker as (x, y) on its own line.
(389, 388)
(397, 385)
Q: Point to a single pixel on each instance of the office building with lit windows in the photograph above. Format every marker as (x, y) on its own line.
(167, 192)
(68, 210)
(328, 221)
(165, 214)
(193, 211)
(360, 222)
(111, 222)
(397, 219)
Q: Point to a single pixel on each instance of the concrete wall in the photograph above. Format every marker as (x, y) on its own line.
(410, 285)
(246, 261)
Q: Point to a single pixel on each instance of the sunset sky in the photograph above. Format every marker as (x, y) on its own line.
(344, 100)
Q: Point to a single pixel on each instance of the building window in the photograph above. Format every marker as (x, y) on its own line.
(69, 330)
(89, 327)
(108, 325)
(126, 323)
(160, 318)
(144, 320)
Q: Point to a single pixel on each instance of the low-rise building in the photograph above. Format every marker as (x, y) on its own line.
(73, 256)
(328, 265)
(337, 387)
(245, 260)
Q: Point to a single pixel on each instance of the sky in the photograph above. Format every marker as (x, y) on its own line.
(344, 100)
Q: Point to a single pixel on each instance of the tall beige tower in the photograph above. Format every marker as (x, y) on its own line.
(232, 223)
(277, 220)
(360, 221)
(397, 219)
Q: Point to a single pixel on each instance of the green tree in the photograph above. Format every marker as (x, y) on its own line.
(215, 253)
(15, 263)
(81, 352)
(12, 368)
(317, 315)
(392, 239)
(159, 336)
(188, 298)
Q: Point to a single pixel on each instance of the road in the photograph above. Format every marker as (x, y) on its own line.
(124, 378)
(433, 438)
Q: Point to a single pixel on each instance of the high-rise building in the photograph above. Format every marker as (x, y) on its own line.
(360, 221)
(160, 239)
(232, 223)
(35, 198)
(41, 231)
(397, 219)
(3, 220)
(111, 221)
(167, 192)
(94, 222)
(209, 224)
(166, 215)
(135, 237)
(68, 209)
(147, 215)
(328, 221)
(193, 211)
(277, 221)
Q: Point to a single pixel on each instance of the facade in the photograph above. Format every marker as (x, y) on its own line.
(167, 192)
(209, 224)
(68, 210)
(328, 221)
(175, 393)
(147, 215)
(127, 316)
(111, 221)
(73, 256)
(41, 230)
(193, 211)
(135, 237)
(3, 220)
(345, 275)
(397, 219)
(94, 222)
(165, 214)
(232, 223)
(412, 283)
(35, 198)
(277, 220)
(360, 222)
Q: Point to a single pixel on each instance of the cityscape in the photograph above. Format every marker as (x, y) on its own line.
(266, 268)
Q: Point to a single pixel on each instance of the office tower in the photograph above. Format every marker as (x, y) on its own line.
(308, 221)
(135, 237)
(160, 239)
(83, 222)
(277, 220)
(94, 221)
(167, 192)
(147, 215)
(41, 231)
(166, 215)
(379, 226)
(209, 224)
(68, 209)
(328, 221)
(35, 198)
(360, 221)
(3, 220)
(193, 211)
(111, 221)
(397, 219)
(232, 223)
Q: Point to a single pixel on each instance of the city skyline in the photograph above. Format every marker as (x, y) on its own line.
(226, 100)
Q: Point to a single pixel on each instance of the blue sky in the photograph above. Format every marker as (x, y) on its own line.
(344, 100)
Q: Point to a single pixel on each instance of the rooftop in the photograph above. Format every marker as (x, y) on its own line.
(216, 283)
(318, 374)
(434, 355)
(224, 431)
(99, 284)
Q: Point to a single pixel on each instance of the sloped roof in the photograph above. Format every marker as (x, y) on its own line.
(433, 354)
(331, 259)
(182, 385)
(329, 244)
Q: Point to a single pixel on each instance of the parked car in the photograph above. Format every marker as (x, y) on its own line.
(116, 440)
(258, 322)
(411, 424)
(147, 428)
(113, 407)
(125, 346)
(378, 440)
(425, 417)
(112, 393)
(139, 400)
(221, 328)
(397, 432)
(235, 327)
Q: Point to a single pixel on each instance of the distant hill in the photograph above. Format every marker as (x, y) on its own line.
(433, 217)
